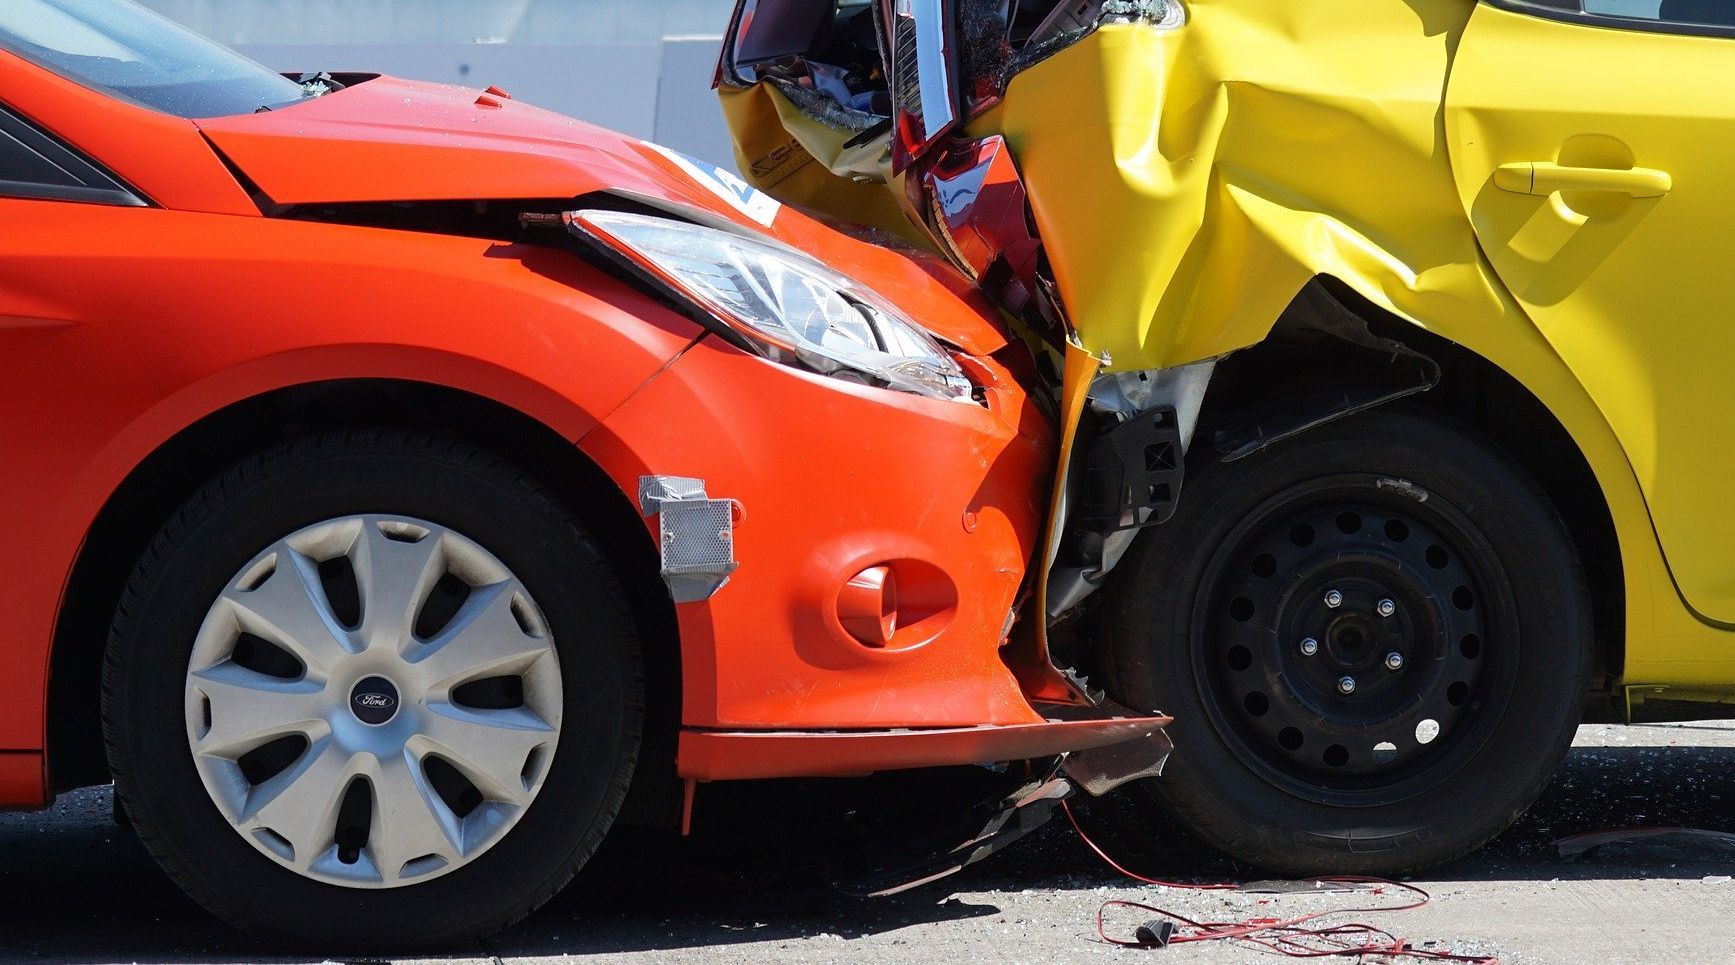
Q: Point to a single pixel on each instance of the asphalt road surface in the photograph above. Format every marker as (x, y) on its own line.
(75, 889)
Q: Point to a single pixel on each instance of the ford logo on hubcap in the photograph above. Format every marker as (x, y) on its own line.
(374, 700)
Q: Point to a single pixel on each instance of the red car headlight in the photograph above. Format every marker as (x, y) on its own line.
(780, 303)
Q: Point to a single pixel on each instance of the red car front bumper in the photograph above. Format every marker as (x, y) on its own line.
(832, 479)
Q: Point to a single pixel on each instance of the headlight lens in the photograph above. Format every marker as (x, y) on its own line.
(786, 306)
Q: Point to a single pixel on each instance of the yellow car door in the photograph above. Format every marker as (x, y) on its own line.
(1593, 143)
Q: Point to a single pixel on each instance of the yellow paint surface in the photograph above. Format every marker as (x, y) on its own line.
(1619, 248)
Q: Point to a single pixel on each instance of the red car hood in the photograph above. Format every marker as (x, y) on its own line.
(395, 140)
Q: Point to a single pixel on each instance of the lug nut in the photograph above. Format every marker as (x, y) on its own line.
(1333, 599)
(1346, 685)
(1309, 647)
(1394, 661)
(1386, 608)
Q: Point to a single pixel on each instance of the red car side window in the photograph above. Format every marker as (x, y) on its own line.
(35, 165)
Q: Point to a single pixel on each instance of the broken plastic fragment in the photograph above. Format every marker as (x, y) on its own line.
(318, 84)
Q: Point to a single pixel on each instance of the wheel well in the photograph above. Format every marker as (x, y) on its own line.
(159, 485)
(1471, 390)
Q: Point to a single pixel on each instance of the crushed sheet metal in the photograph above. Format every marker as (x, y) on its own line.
(1099, 770)
(1033, 662)
(1013, 818)
(811, 164)
(696, 535)
(1071, 22)
(1177, 233)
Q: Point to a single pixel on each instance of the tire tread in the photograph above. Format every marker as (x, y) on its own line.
(1271, 847)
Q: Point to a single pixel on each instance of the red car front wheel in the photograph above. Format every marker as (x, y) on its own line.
(373, 691)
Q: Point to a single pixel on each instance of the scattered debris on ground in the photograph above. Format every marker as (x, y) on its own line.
(739, 897)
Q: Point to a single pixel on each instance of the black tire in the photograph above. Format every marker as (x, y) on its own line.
(1491, 620)
(403, 474)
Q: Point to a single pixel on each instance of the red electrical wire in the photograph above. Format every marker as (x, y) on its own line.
(1067, 807)
(1287, 936)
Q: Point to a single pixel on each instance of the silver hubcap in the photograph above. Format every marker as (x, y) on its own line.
(373, 701)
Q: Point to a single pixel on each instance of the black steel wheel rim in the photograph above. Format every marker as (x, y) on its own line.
(1355, 638)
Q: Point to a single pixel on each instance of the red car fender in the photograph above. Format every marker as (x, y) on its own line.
(326, 363)
(846, 478)
(125, 365)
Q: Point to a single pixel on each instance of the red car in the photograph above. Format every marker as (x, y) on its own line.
(403, 478)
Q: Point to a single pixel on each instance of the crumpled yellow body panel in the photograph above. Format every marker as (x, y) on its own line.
(807, 163)
(1188, 183)
(1205, 174)
(1628, 279)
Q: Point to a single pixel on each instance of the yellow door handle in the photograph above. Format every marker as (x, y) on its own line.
(1545, 178)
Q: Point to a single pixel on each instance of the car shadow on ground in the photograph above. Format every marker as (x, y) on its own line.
(75, 889)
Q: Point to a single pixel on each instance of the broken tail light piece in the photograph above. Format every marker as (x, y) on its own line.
(779, 303)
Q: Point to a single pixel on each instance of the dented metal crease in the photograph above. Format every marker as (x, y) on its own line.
(1179, 157)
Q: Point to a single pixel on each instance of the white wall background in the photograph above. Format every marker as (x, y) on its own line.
(447, 21)
(642, 67)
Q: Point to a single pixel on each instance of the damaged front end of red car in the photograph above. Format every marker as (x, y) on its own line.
(846, 475)
(869, 598)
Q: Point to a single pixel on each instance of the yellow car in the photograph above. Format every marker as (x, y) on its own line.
(1429, 293)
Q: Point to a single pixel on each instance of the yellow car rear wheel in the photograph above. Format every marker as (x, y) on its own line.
(1375, 640)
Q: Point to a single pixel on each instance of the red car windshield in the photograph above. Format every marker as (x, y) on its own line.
(122, 49)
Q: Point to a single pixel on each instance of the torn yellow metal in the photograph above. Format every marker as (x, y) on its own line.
(1264, 143)
(805, 162)
(1029, 653)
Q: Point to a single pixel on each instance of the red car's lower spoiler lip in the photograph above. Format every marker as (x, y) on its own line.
(708, 755)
